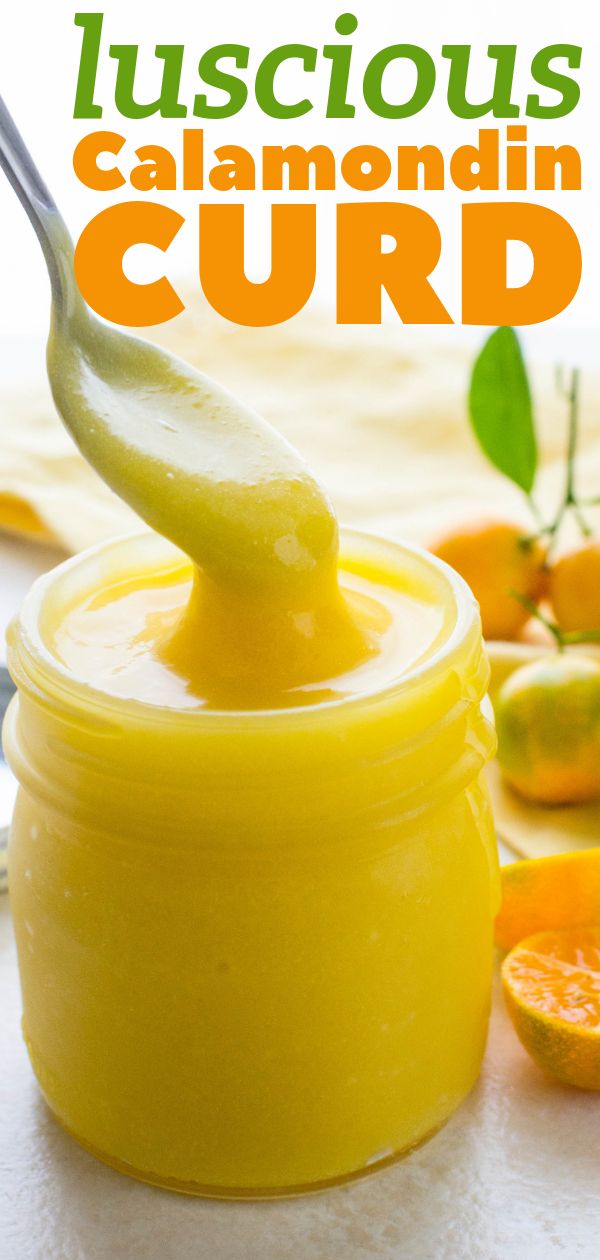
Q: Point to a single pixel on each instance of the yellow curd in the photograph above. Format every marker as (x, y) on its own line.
(255, 942)
(252, 864)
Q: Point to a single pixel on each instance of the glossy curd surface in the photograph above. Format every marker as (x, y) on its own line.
(153, 638)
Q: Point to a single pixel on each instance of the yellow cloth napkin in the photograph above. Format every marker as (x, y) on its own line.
(379, 415)
(47, 491)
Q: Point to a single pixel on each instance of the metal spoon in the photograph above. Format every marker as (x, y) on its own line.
(196, 465)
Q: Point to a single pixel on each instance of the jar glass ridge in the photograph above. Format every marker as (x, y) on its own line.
(267, 935)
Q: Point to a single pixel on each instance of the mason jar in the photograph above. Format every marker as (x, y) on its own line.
(255, 948)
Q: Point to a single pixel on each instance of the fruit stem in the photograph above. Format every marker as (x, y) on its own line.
(569, 499)
(534, 611)
(571, 496)
(563, 638)
(580, 636)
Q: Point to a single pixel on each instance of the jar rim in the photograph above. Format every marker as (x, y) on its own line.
(32, 661)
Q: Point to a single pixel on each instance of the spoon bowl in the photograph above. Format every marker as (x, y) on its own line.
(193, 462)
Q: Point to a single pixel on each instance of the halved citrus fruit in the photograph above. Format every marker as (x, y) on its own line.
(551, 984)
(554, 892)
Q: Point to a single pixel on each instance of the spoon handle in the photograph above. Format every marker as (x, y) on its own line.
(21, 171)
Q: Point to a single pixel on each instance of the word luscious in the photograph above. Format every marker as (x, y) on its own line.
(366, 268)
(336, 62)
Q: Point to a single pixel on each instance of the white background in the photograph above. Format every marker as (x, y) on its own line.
(39, 54)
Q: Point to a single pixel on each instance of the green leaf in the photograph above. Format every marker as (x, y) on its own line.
(501, 410)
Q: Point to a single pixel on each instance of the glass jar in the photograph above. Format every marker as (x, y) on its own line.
(255, 948)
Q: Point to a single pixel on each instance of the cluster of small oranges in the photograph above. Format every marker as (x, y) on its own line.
(509, 572)
(547, 712)
(548, 723)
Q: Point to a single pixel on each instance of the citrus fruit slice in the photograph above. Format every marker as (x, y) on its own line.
(553, 892)
(551, 985)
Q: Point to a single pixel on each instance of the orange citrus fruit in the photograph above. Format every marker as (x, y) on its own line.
(574, 587)
(496, 559)
(553, 892)
(551, 985)
(548, 726)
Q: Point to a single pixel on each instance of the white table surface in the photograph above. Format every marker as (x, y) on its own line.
(515, 1175)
